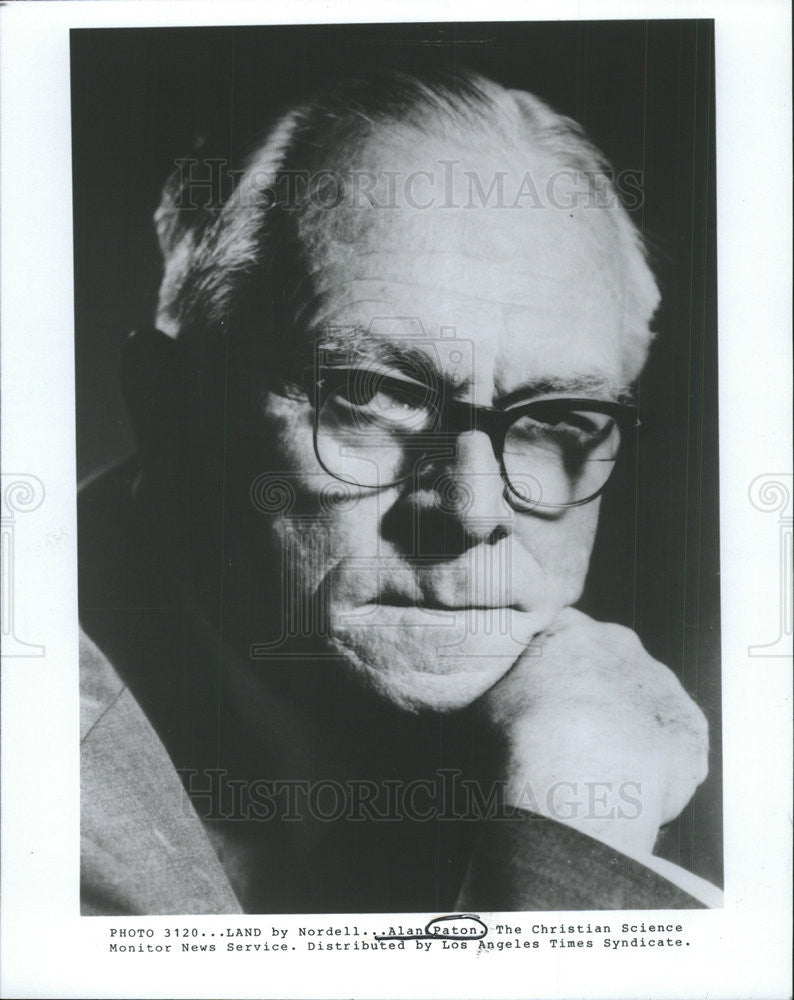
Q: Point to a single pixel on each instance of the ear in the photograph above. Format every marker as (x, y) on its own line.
(153, 379)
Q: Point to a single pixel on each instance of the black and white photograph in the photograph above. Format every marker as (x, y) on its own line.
(399, 578)
(396, 499)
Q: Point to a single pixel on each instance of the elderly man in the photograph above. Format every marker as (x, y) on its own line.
(332, 659)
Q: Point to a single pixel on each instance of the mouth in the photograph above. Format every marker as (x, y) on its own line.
(430, 603)
(438, 606)
(395, 636)
(423, 614)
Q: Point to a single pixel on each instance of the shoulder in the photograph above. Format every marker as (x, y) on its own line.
(143, 847)
(523, 861)
(100, 685)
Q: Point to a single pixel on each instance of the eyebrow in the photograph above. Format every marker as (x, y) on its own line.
(596, 386)
(353, 345)
(357, 345)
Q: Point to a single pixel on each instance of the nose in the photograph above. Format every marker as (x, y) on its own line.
(456, 504)
(470, 490)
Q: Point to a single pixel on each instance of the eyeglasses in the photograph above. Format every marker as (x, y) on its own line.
(373, 430)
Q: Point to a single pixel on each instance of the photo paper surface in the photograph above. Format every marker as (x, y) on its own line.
(397, 519)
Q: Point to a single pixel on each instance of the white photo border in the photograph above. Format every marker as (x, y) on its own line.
(47, 949)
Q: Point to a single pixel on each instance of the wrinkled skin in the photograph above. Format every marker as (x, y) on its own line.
(528, 300)
(597, 733)
(431, 605)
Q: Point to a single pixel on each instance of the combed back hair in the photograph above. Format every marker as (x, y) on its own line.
(238, 264)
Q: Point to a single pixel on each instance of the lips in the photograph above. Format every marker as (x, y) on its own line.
(440, 606)
(436, 602)
(448, 623)
(498, 582)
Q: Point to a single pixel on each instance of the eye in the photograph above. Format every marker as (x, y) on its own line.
(579, 432)
(582, 426)
(372, 398)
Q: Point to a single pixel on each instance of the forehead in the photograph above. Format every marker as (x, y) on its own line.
(531, 294)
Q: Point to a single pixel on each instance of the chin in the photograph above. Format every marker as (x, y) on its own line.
(432, 665)
(419, 693)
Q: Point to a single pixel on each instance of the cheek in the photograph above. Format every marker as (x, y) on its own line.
(562, 549)
(308, 521)
(311, 543)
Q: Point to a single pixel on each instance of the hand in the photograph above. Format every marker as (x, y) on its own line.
(596, 734)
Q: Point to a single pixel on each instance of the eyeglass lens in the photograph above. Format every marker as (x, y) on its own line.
(374, 431)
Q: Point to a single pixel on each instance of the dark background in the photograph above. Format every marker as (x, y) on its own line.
(644, 92)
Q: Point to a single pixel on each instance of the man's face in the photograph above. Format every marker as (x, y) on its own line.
(430, 589)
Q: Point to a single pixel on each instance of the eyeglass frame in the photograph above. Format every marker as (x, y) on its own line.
(495, 423)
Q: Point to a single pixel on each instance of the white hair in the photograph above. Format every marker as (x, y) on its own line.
(214, 257)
